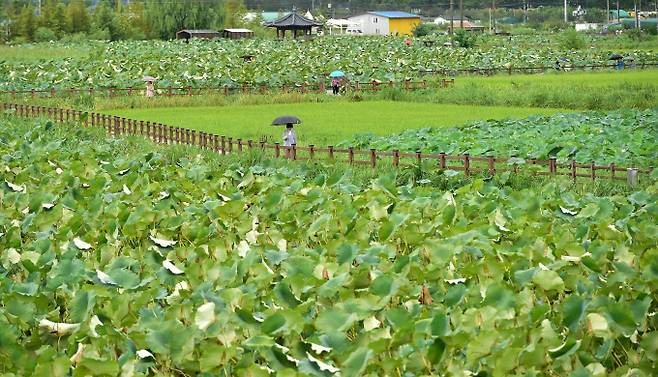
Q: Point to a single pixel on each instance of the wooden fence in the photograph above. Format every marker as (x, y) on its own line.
(169, 91)
(532, 70)
(163, 134)
(373, 86)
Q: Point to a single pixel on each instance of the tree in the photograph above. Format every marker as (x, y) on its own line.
(27, 23)
(234, 11)
(77, 18)
(165, 18)
(53, 16)
(105, 20)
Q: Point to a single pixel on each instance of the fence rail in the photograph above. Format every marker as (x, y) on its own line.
(116, 126)
(532, 69)
(371, 86)
(170, 91)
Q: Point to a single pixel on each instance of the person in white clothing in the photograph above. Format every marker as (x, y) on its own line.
(289, 138)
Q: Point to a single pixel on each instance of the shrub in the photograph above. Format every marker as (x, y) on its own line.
(572, 40)
(424, 29)
(43, 34)
(465, 38)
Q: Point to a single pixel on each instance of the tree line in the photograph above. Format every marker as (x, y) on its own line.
(47, 20)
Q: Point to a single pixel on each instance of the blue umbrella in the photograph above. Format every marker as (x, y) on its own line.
(337, 74)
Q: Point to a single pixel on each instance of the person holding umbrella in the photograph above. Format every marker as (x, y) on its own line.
(619, 61)
(289, 135)
(150, 89)
(335, 80)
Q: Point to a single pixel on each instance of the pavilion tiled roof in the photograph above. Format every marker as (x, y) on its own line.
(293, 20)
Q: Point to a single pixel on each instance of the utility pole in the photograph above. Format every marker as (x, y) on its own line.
(637, 15)
(493, 9)
(461, 14)
(490, 24)
(565, 12)
(525, 11)
(452, 19)
(617, 11)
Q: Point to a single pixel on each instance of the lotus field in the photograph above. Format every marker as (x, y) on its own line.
(622, 137)
(117, 257)
(221, 63)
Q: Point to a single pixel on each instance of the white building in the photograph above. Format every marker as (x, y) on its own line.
(587, 27)
(445, 20)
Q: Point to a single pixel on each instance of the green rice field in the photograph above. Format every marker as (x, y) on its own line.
(324, 123)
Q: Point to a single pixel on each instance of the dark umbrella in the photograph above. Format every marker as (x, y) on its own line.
(616, 57)
(286, 119)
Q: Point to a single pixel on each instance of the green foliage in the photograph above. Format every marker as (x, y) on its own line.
(220, 62)
(77, 17)
(624, 137)
(180, 15)
(43, 34)
(27, 23)
(538, 281)
(425, 29)
(572, 40)
(465, 38)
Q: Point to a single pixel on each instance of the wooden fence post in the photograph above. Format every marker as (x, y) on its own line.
(418, 158)
(373, 158)
(148, 129)
(311, 151)
(552, 165)
(467, 164)
(194, 138)
(442, 160)
(492, 166)
(396, 157)
(215, 142)
(593, 170)
(612, 171)
(223, 144)
(331, 152)
(277, 150)
(573, 169)
(294, 151)
(250, 144)
(230, 144)
(239, 145)
(350, 155)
